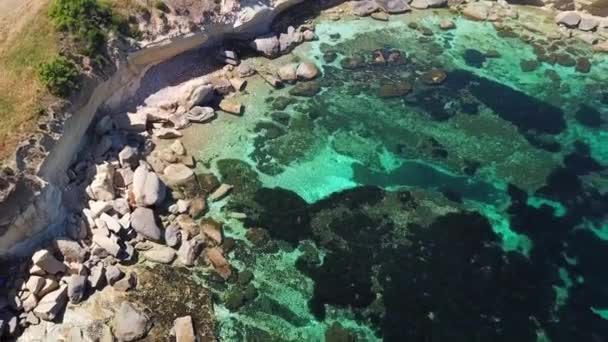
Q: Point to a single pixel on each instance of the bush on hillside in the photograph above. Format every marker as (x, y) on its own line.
(85, 19)
(59, 76)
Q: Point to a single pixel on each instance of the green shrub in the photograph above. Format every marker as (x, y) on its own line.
(86, 20)
(161, 6)
(59, 75)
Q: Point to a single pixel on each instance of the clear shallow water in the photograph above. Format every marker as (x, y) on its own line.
(465, 211)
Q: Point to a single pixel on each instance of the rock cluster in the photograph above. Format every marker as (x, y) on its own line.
(141, 204)
(276, 44)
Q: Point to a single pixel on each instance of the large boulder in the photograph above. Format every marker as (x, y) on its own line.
(307, 71)
(197, 94)
(160, 254)
(51, 305)
(476, 11)
(287, 73)
(147, 187)
(231, 106)
(176, 175)
(133, 122)
(568, 19)
(289, 40)
(200, 114)
(588, 23)
(364, 8)
(269, 46)
(130, 323)
(144, 223)
(394, 6)
(47, 262)
(70, 250)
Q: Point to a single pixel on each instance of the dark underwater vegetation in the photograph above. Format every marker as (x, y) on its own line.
(425, 188)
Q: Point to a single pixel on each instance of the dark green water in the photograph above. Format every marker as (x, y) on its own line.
(470, 210)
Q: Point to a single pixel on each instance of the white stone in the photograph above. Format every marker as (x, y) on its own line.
(45, 260)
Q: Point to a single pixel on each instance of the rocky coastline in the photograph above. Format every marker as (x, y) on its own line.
(134, 203)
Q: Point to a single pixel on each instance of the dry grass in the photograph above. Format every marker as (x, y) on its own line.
(20, 92)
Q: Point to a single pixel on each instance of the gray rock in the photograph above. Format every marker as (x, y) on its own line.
(128, 157)
(127, 283)
(160, 254)
(177, 147)
(97, 278)
(199, 95)
(130, 323)
(568, 19)
(588, 24)
(121, 206)
(189, 251)
(30, 303)
(309, 35)
(394, 6)
(98, 207)
(231, 106)
(287, 73)
(113, 274)
(220, 192)
(147, 187)
(269, 46)
(289, 40)
(176, 175)
(77, 286)
(51, 305)
(307, 71)
(104, 125)
(167, 133)
(144, 223)
(183, 329)
(201, 114)
(476, 11)
(34, 284)
(70, 250)
(133, 122)
(364, 8)
(245, 70)
(108, 244)
(172, 236)
(31, 319)
(45, 260)
(50, 284)
(102, 186)
(179, 121)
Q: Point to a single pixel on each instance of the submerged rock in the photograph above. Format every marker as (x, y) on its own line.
(395, 89)
(306, 89)
(433, 76)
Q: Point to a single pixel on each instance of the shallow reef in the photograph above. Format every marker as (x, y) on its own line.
(429, 185)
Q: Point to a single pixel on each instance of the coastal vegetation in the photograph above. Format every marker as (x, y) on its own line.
(59, 75)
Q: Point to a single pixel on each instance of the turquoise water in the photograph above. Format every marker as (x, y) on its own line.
(468, 210)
